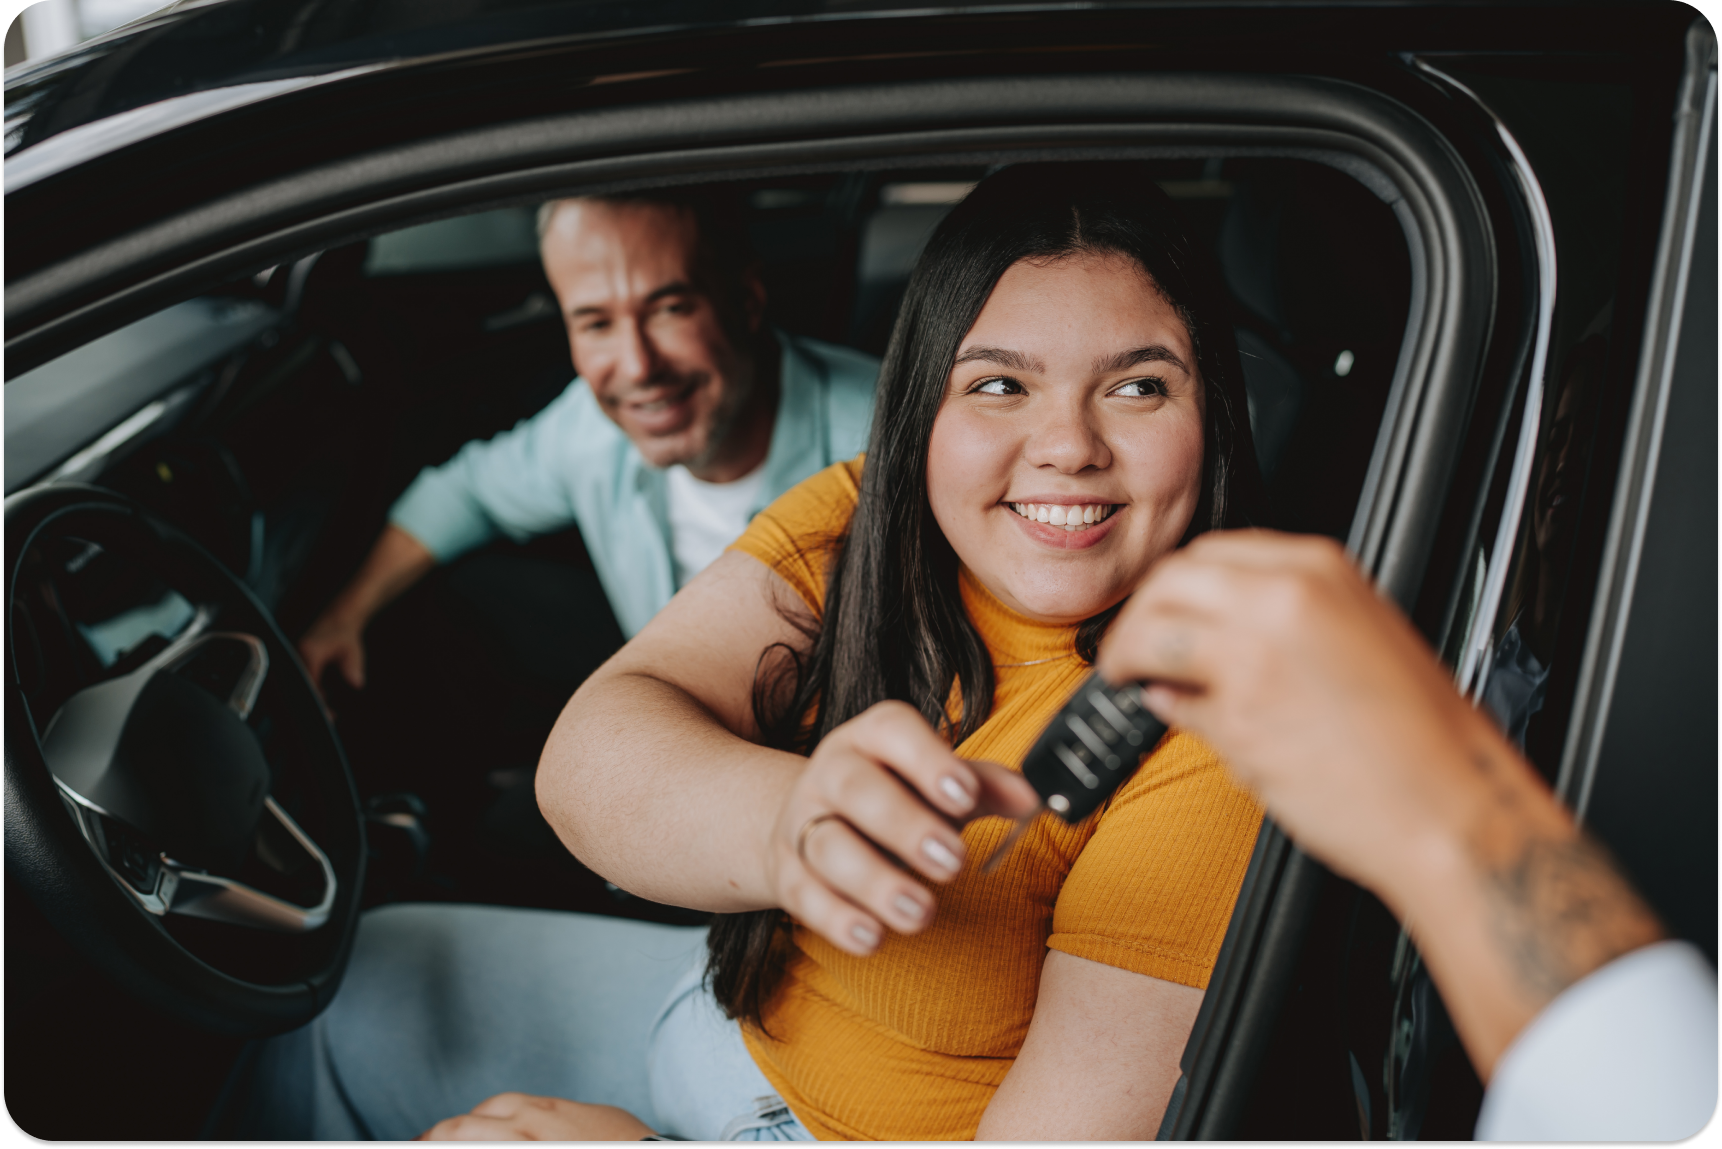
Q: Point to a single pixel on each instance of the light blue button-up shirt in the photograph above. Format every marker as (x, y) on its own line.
(569, 464)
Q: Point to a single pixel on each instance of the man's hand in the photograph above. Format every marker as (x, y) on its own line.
(395, 563)
(1317, 692)
(1323, 700)
(523, 1117)
(334, 641)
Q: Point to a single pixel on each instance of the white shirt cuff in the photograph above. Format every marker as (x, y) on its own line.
(1628, 1053)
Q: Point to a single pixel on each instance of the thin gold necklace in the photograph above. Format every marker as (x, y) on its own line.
(1033, 661)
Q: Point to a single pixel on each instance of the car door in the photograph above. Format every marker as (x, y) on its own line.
(1582, 617)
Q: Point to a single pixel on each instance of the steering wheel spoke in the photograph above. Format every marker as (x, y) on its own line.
(184, 656)
(161, 885)
(221, 899)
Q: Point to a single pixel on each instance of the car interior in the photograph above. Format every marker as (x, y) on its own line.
(310, 395)
(283, 413)
(219, 381)
(273, 419)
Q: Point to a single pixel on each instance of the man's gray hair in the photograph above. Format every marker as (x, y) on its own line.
(547, 212)
(725, 256)
(548, 209)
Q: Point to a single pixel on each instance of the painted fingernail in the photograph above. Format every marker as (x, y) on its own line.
(866, 936)
(941, 855)
(908, 907)
(954, 791)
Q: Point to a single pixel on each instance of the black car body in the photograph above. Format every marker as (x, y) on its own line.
(1472, 255)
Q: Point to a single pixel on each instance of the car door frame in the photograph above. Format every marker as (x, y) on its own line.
(1461, 338)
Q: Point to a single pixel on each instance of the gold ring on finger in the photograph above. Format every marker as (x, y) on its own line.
(807, 828)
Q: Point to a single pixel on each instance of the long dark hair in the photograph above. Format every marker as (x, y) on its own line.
(893, 624)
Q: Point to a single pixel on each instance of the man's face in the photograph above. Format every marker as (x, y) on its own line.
(646, 338)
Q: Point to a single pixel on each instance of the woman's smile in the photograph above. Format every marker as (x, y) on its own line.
(1065, 525)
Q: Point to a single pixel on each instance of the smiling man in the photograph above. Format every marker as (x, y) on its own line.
(690, 414)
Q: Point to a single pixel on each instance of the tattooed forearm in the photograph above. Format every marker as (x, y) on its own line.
(1559, 908)
(1513, 904)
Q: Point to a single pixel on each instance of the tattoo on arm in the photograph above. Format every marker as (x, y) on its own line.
(1558, 904)
(1560, 909)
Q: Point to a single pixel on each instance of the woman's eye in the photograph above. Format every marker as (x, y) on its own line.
(997, 387)
(1141, 389)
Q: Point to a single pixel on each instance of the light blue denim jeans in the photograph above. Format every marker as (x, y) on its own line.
(444, 1006)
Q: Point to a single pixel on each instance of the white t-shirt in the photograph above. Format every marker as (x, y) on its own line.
(707, 517)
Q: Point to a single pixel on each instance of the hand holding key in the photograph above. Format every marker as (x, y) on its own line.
(1318, 694)
(882, 786)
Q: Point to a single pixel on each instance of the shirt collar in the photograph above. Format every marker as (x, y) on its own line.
(1013, 639)
(798, 437)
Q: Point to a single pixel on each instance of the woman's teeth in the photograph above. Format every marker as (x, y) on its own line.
(1059, 515)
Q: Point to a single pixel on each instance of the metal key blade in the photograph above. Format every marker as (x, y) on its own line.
(1004, 847)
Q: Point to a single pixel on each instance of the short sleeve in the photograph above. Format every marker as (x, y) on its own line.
(794, 536)
(1152, 891)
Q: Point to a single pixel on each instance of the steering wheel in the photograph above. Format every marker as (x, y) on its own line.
(176, 801)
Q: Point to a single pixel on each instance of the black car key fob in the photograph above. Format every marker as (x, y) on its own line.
(1091, 747)
(1086, 752)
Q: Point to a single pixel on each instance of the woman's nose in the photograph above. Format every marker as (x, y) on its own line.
(1067, 438)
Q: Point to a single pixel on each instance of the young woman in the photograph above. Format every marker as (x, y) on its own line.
(1059, 407)
(813, 738)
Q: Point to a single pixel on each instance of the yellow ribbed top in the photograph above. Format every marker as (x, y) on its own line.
(910, 1043)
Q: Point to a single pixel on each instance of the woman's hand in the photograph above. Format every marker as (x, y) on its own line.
(880, 787)
(654, 777)
(523, 1117)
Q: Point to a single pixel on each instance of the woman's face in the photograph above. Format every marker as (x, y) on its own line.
(1067, 454)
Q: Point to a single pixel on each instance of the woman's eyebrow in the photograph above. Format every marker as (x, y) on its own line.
(1014, 360)
(1136, 356)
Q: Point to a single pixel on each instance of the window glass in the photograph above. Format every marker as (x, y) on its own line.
(67, 407)
(486, 239)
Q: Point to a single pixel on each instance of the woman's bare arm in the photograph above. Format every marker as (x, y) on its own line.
(651, 778)
(1100, 1059)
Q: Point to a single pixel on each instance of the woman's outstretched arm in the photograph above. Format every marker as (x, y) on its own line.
(652, 778)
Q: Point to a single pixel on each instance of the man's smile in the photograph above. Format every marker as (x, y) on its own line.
(664, 409)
